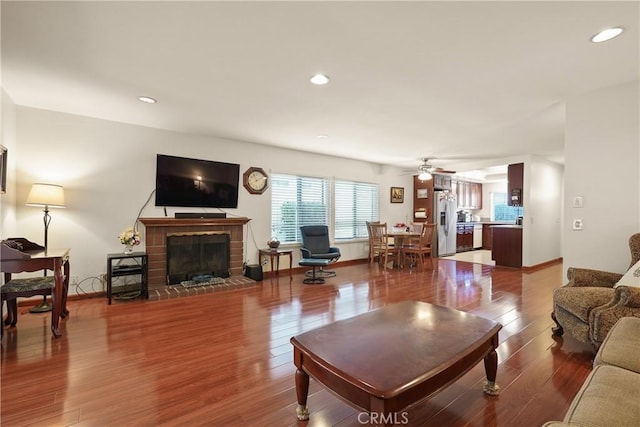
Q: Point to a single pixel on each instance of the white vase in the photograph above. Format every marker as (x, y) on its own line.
(128, 249)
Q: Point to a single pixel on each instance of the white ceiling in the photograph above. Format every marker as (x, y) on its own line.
(408, 79)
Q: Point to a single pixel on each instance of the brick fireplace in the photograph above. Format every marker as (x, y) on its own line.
(157, 229)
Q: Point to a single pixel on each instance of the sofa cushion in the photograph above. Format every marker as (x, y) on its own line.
(621, 347)
(608, 397)
(631, 277)
(580, 300)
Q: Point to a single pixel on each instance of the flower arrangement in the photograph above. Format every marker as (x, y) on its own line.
(400, 226)
(273, 243)
(130, 237)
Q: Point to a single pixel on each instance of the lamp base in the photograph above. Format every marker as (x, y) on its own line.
(43, 307)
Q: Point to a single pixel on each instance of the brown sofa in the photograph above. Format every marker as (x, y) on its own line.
(589, 304)
(610, 396)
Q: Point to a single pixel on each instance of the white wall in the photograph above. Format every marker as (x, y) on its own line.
(543, 182)
(107, 170)
(8, 140)
(602, 151)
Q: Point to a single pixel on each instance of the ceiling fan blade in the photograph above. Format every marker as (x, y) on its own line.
(440, 170)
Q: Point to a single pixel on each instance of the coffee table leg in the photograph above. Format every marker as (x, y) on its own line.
(491, 369)
(302, 390)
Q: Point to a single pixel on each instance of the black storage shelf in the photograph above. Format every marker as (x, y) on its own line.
(135, 264)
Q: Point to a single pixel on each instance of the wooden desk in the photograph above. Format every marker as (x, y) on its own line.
(388, 359)
(56, 260)
(277, 253)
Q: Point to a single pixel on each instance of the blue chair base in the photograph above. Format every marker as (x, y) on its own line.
(316, 264)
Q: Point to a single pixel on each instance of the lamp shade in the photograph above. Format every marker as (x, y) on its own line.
(46, 195)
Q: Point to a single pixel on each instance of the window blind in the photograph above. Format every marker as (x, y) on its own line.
(355, 204)
(297, 201)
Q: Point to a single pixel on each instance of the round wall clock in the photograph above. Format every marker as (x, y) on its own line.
(255, 180)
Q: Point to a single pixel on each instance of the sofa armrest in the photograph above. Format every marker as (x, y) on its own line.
(589, 277)
(628, 296)
(625, 303)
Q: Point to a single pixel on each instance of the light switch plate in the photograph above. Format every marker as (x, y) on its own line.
(578, 202)
(577, 225)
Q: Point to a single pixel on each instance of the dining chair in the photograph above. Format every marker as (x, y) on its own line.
(416, 227)
(371, 246)
(379, 245)
(416, 248)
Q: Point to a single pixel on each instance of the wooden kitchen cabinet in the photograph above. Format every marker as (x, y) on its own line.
(468, 194)
(475, 189)
(441, 182)
(464, 237)
(515, 184)
(487, 236)
(463, 192)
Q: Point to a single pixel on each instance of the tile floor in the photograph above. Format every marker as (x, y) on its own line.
(479, 256)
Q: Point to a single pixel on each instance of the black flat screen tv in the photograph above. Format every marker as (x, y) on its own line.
(185, 182)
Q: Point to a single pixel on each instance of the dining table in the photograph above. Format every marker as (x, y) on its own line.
(399, 237)
(33, 257)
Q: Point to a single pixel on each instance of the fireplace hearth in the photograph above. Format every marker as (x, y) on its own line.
(157, 230)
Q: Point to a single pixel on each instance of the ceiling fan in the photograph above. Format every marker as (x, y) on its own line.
(425, 170)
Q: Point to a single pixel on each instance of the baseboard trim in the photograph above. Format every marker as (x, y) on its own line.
(296, 270)
(533, 268)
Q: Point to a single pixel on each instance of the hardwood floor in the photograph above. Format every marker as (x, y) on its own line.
(224, 359)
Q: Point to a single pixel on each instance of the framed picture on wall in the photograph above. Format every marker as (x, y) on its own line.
(3, 169)
(397, 194)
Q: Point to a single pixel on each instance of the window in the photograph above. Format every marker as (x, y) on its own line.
(503, 212)
(355, 204)
(297, 201)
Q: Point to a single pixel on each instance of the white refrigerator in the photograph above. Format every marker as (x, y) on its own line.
(445, 217)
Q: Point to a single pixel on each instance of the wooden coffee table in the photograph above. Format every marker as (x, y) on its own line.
(384, 360)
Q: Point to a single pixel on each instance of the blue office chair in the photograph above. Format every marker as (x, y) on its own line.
(316, 245)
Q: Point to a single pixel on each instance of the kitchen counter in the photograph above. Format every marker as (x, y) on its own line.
(481, 238)
(507, 245)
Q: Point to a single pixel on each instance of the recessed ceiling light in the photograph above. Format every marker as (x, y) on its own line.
(607, 34)
(147, 99)
(322, 136)
(319, 79)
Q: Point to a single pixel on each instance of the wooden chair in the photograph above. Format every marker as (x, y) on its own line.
(416, 227)
(379, 245)
(417, 248)
(15, 288)
(371, 252)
